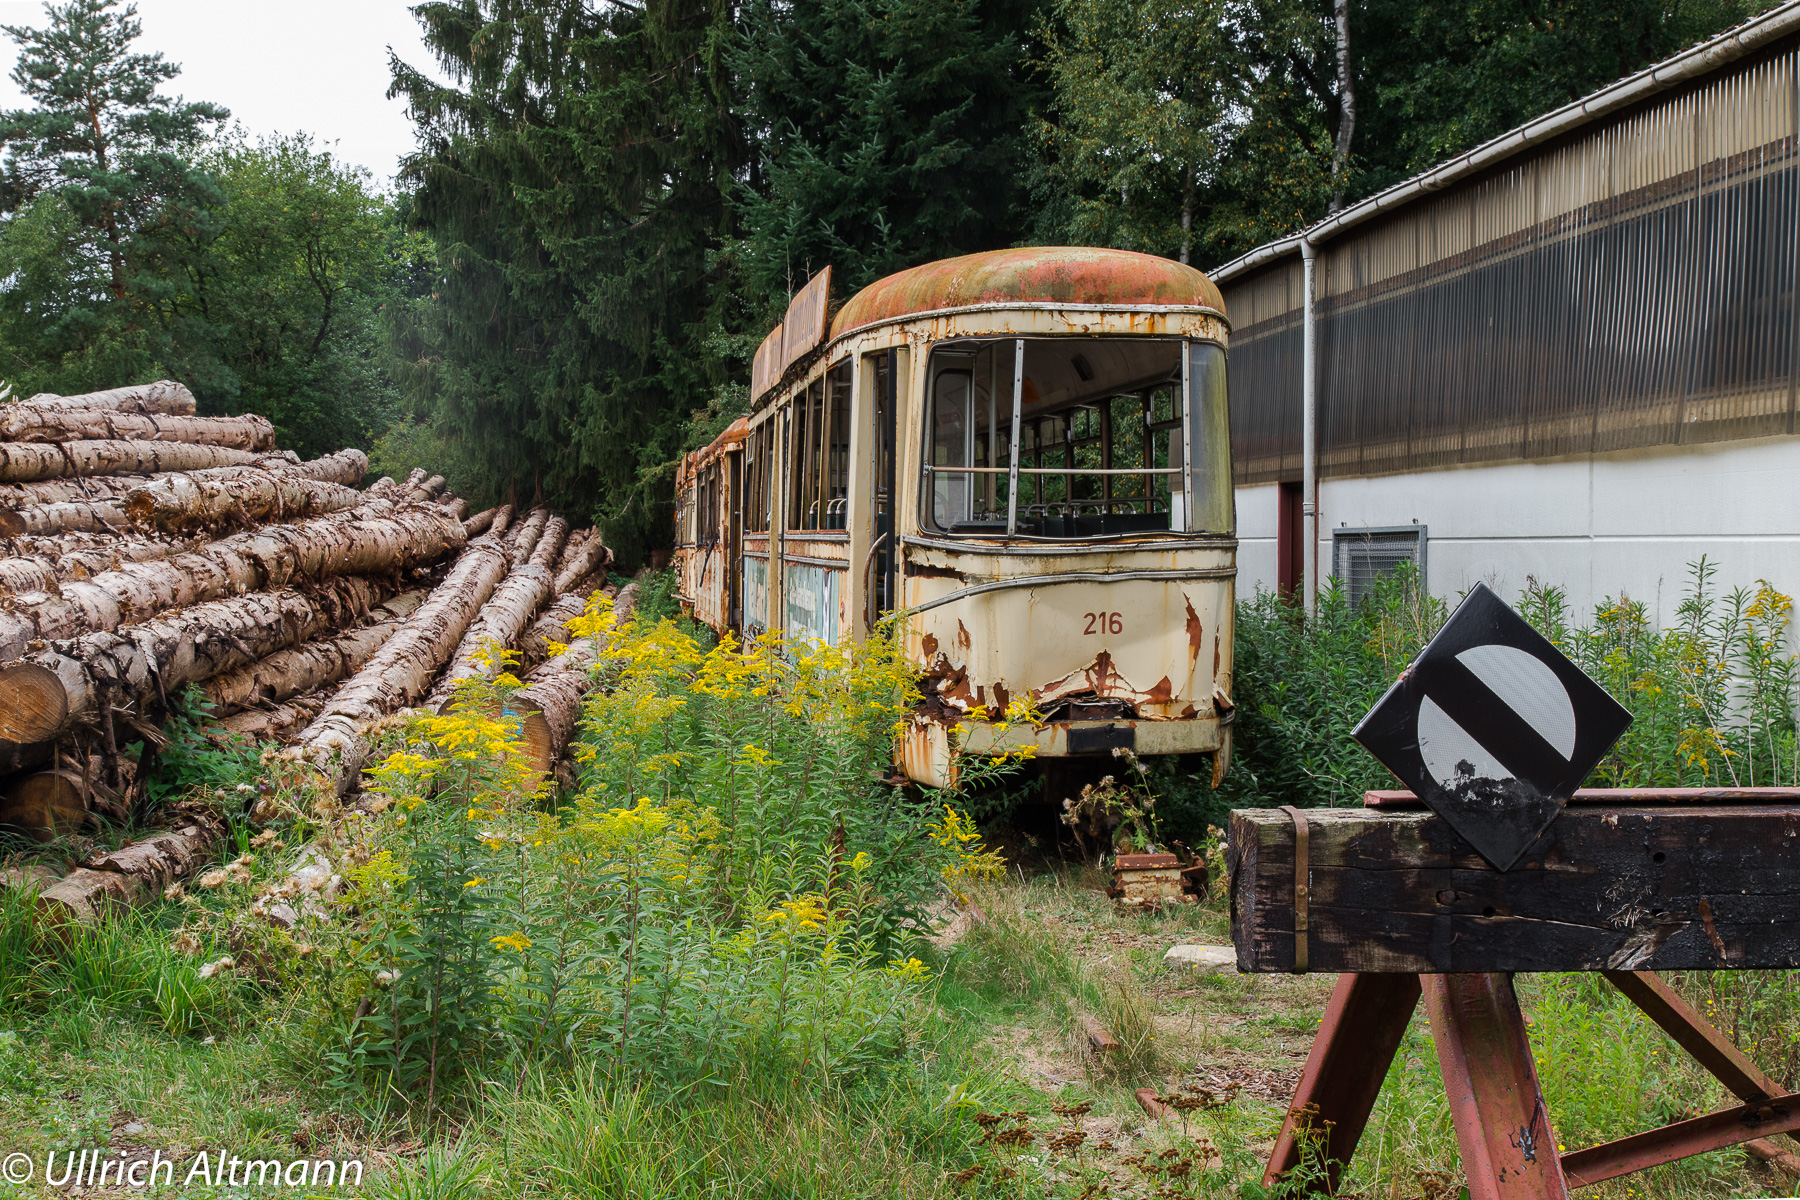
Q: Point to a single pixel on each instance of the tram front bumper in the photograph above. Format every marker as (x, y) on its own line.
(1067, 739)
(925, 755)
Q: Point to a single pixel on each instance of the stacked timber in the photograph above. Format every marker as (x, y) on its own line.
(145, 549)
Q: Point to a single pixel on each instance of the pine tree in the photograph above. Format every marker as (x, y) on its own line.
(887, 133)
(573, 175)
(100, 181)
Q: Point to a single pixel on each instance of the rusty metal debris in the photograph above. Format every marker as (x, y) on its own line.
(1152, 1104)
(1100, 1040)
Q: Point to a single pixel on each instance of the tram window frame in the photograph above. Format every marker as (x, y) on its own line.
(819, 477)
(1121, 450)
(706, 506)
(759, 450)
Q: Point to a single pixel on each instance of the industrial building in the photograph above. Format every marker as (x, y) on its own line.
(1568, 355)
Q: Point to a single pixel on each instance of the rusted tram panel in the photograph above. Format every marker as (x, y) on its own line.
(1029, 452)
(707, 549)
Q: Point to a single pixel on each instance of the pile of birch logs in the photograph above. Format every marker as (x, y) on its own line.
(144, 550)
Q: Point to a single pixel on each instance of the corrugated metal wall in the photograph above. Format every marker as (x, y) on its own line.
(1632, 286)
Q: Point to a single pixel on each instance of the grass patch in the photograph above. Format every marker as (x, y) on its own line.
(735, 964)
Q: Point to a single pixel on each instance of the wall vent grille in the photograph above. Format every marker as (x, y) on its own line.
(1360, 557)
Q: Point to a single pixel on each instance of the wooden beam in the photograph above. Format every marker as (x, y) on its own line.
(1613, 888)
(1641, 797)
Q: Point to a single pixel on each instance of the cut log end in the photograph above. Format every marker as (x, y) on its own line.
(540, 741)
(12, 524)
(44, 805)
(33, 703)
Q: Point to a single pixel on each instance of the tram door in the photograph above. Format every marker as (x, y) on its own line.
(731, 474)
(885, 556)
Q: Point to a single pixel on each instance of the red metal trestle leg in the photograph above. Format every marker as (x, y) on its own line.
(1361, 1031)
(1502, 1126)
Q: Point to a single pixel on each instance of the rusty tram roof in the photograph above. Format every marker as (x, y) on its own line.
(1031, 275)
(694, 460)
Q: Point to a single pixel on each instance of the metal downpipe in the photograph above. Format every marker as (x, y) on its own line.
(1309, 442)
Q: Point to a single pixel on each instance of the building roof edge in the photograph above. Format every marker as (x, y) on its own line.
(1691, 63)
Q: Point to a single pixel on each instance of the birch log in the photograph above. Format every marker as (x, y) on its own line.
(399, 672)
(456, 506)
(553, 626)
(163, 396)
(31, 423)
(479, 523)
(48, 692)
(504, 617)
(117, 487)
(592, 555)
(360, 542)
(22, 462)
(427, 490)
(194, 501)
(65, 516)
(134, 875)
(550, 702)
(276, 723)
(53, 491)
(313, 664)
(550, 544)
(523, 539)
(47, 563)
(304, 485)
(346, 467)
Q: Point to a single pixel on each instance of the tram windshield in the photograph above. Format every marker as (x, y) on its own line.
(1101, 434)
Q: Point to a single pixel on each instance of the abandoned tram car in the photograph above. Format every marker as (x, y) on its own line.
(1029, 452)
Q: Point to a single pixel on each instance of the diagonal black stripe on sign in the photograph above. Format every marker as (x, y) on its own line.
(1490, 720)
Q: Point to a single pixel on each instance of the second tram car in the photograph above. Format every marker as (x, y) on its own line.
(1028, 451)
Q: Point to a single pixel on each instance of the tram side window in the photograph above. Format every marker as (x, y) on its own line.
(706, 512)
(1100, 439)
(1214, 506)
(819, 482)
(971, 415)
(758, 450)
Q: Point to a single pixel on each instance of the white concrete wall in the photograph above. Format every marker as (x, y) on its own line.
(1596, 526)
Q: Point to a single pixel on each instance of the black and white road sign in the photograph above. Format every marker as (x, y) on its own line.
(1493, 727)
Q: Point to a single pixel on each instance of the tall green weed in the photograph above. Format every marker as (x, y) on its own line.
(1712, 695)
(732, 881)
(1303, 684)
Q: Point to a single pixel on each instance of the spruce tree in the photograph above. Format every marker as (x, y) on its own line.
(572, 173)
(887, 133)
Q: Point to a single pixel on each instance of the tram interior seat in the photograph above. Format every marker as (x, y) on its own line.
(1094, 525)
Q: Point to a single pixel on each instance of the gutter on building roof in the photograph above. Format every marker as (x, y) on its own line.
(1700, 60)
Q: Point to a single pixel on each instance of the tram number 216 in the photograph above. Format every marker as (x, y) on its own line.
(1104, 622)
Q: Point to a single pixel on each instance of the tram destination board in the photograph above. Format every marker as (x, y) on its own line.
(1645, 885)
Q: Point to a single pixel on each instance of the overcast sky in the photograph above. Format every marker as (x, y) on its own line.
(313, 65)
